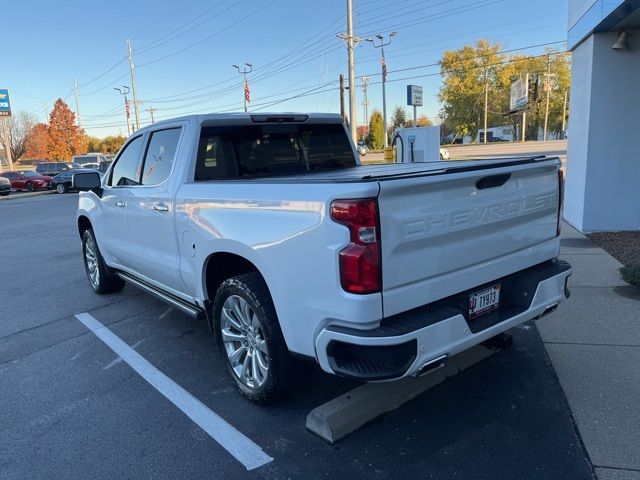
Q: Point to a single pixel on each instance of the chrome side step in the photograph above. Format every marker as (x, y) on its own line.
(185, 307)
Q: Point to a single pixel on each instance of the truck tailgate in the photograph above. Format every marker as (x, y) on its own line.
(448, 231)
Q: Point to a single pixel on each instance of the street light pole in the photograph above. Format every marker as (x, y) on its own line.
(244, 73)
(383, 62)
(124, 91)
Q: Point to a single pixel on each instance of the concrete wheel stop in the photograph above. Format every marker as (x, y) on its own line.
(345, 414)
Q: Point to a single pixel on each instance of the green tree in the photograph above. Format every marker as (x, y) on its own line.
(376, 137)
(399, 118)
(464, 73)
(112, 144)
(94, 144)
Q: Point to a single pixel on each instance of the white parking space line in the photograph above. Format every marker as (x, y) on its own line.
(233, 441)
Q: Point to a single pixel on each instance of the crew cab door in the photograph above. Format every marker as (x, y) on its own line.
(113, 234)
(150, 213)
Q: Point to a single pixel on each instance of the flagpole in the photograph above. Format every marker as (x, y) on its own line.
(245, 86)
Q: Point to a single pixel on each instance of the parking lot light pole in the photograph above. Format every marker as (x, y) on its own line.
(245, 86)
(383, 63)
(124, 91)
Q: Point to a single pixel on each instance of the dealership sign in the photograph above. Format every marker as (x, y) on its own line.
(5, 106)
(414, 95)
(519, 95)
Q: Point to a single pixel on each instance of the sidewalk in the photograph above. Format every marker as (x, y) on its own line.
(593, 341)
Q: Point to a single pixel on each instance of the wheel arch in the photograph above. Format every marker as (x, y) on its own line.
(219, 266)
(84, 224)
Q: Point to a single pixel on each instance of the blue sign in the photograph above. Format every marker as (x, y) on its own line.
(5, 105)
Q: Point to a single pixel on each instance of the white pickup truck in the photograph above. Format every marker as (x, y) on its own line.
(267, 226)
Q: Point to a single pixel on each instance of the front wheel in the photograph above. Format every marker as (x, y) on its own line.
(101, 279)
(29, 187)
(61, 188)
(250, 342)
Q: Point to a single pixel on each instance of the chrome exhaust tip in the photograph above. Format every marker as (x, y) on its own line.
(431, 366)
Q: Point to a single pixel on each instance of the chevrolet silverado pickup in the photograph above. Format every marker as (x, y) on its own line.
(268, 227)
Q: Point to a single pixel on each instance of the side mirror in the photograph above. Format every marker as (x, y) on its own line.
(84, 182)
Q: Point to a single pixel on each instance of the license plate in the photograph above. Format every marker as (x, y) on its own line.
(484, 301)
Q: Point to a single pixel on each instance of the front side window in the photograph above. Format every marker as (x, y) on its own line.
(126, 171)
(160, 156)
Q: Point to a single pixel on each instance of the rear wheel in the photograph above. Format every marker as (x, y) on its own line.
(101, 279)
(61, 188)
(250, 342)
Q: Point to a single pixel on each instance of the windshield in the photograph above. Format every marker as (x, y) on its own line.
(273, 149)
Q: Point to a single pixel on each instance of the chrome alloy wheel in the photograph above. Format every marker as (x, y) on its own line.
(91, 259)
(244, 342)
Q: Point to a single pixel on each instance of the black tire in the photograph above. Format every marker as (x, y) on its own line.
(4, 194)
(105, 281)
(441, 157)
(61, 188)
(29, 187)
(283, 369)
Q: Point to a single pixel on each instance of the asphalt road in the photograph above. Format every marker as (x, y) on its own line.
(497, 150)
(72, 409)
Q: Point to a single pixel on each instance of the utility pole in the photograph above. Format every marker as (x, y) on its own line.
(564, 114)
(342, 113)
(383, 63)
(133, 85)
(151, 111)
(245, 84)
(75, 92)
(124, 91)
(486, 104)
(547, 87)
(365, 102)
(352, 72)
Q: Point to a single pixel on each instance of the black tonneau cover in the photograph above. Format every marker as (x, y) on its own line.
(391, 171)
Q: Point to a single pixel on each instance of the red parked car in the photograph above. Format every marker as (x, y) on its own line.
(27, 180)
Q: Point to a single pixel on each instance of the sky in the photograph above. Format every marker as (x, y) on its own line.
(184, 50)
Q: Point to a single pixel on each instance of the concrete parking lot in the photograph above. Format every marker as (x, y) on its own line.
(72, 408)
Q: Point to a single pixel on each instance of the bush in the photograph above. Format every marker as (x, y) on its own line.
(631, 274)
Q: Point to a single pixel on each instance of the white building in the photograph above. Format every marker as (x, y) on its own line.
(603, 157)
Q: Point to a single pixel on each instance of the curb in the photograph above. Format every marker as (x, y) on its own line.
(345, 414)
(17, 196)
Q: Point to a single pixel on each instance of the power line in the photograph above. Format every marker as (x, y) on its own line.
(253, 12)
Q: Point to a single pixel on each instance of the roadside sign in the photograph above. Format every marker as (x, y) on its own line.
(5, 105)
(519, 95)
(414, 95)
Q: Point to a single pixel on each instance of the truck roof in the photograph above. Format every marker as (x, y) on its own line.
(242, 117)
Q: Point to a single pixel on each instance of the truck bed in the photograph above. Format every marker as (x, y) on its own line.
(389, 171)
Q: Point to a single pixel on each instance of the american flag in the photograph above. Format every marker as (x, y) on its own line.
(384, 69)
(247, 92)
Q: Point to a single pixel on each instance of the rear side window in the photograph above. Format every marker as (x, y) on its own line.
(126, 171)
(271, 149)
(160, 156)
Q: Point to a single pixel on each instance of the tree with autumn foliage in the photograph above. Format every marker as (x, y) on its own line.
(66, 138)
(38, 142)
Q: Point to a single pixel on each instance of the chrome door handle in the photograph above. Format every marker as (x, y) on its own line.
(161, 207)
(120, 204)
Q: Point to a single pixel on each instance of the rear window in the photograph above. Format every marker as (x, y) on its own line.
(269, 150)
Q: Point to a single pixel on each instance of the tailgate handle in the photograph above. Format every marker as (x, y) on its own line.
(493, 181)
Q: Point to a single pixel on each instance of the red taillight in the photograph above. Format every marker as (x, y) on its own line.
(560, 201)
(360, 260)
